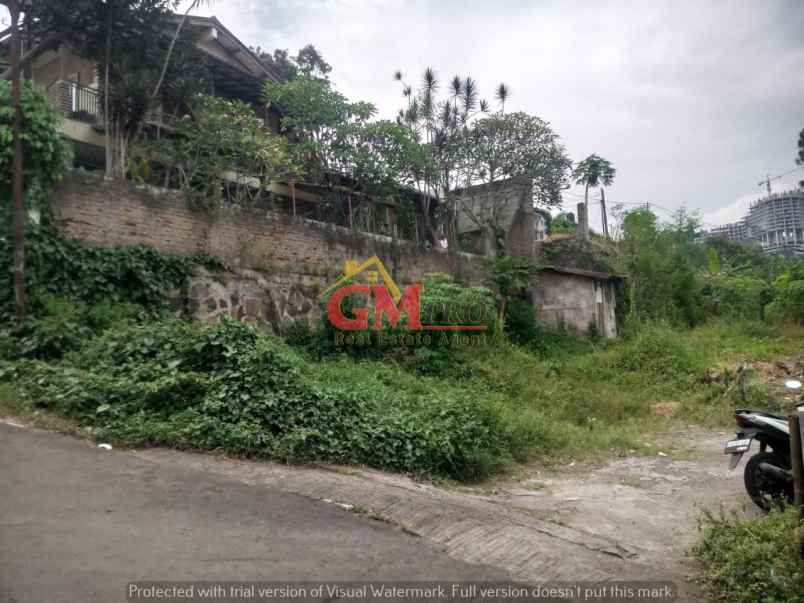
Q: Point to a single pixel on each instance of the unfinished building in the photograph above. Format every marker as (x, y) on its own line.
(777, 222)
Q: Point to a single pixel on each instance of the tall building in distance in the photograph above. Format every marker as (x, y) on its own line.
(776, 223)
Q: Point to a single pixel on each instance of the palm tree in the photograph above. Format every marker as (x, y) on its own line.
(502, 94)
(595, 171)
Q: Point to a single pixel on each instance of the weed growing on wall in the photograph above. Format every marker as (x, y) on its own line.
(63, 267)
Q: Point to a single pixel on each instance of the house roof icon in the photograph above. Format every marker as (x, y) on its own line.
(351, 269)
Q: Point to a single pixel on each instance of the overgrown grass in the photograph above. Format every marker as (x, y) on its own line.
(462, 413)
(751, 560)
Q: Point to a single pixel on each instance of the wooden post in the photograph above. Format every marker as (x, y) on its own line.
(293, 197)
(603, 215)
(349, 199)
(798, 481)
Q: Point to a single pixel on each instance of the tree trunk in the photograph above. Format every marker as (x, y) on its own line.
(17, 203)
(603, 215)
(585, 226)
(106, 117)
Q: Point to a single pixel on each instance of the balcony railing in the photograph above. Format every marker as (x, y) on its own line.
(77, 102)
(84, 104)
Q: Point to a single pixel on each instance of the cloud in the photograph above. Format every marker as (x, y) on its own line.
(692, 102)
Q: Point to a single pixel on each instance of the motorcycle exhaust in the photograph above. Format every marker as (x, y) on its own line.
(775, 472)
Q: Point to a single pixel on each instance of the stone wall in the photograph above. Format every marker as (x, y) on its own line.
(279, 264)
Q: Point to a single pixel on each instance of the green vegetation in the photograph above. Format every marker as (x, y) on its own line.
(46, 154)
(751, 560)
(230, 387)
(220, 141)
(63, 267)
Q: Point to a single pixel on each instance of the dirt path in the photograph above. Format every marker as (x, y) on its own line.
(631, 518)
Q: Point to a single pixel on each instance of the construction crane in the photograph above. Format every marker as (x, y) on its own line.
(767, 181)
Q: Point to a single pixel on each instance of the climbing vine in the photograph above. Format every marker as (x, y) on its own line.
(64, 267)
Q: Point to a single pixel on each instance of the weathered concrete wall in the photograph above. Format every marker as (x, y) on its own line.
(510, 204)
(575, 302)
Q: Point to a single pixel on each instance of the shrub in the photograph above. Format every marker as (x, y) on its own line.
(62, 325)
(751, 560)
(738, 296)
(66, 268)
(520, 321)
(659, 351)
(443, 302)
(230, 387)
(788, 303)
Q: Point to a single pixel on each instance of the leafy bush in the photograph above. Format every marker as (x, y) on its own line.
(63, 267)
(658, 351)
(231, 387)
(520, 322)
(443, 302)
(788, 304)
(751, 560)
(221, 139)
(738, 296)
(46, 153)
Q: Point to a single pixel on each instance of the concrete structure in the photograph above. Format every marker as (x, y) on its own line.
(736, 231)
(776, 223)
(577, 300)
(506, 205)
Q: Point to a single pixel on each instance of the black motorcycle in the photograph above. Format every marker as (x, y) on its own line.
(768, 474)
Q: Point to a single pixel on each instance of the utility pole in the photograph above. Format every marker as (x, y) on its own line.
(603, 217)
(17, 206)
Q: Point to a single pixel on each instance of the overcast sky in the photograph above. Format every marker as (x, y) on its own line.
(693, 102)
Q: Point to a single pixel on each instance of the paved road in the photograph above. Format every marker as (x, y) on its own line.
(78, 523)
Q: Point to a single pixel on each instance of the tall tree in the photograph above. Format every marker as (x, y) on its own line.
(17, 207)
(591, 172)
(338, 146)
(440, 124)
(134, 48)
(512, 154)
(308, 62)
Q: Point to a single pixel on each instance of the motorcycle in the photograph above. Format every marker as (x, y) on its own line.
(768, 474)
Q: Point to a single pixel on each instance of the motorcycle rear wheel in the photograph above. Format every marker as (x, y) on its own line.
(763, 490)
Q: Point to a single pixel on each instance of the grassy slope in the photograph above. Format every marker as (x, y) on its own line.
(585, 401)
(592, 400)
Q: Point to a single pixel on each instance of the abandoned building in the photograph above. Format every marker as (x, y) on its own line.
(502, 208)
(582, 301)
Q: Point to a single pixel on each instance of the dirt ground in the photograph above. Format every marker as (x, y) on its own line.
(631, 518)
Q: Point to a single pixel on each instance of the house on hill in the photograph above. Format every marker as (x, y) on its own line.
(73, 84)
